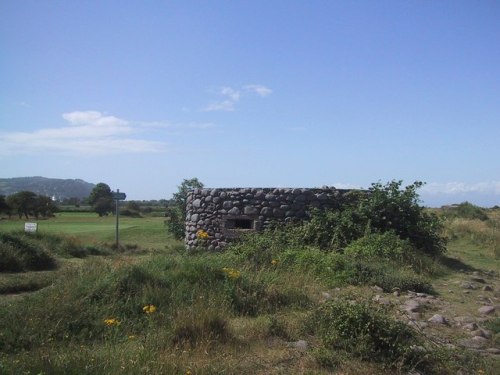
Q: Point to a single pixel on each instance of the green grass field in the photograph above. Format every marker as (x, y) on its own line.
(148, 232)
(241, 311)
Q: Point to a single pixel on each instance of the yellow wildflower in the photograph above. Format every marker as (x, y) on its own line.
(231, 273)
(111, 322)
(202, 235)
(275, 262)
(149, 309)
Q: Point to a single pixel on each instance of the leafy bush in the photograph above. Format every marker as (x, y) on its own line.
(176, 212)
(466, 210)
(365, 330)
(385, 274)
(381, 209)
(387, 245)
(21, 253)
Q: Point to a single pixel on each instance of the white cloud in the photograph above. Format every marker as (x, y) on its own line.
(259, 90)
(225, 106)
(453, 188)
(231, 96)
(88, 132)
(92, 118)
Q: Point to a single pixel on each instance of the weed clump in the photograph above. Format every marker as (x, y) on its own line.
(466, 210)
(19, 253)
(365, 330)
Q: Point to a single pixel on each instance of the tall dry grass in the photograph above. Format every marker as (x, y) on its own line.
(482, 233)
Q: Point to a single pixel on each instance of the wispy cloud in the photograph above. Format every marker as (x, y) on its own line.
(176, 125)
(456, 188)
(259, 90)
(230, 96)
(87, 132)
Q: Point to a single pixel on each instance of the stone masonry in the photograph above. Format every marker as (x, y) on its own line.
(222, 215)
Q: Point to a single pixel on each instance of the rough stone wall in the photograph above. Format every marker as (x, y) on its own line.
(224, 214)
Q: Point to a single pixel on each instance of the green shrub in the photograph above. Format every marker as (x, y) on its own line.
(10, 261)
(208, 325)
(365, 330)
(383, 208)
(386, 245)
(387, 275)
(466, 210)
(18, 253)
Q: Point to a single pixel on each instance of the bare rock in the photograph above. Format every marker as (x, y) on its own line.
(468, 285)
(438, 319)
(478, 279)
(494, 351)
(477, 342)
(470, 326)
(412, 305)
(486, 310)
(377, 289)
(301, 345)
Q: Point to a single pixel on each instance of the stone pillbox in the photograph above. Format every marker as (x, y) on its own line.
(224, 214)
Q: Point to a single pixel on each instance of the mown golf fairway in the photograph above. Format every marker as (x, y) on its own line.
(148, 232)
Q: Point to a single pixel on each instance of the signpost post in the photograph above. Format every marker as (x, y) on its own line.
(117, 196)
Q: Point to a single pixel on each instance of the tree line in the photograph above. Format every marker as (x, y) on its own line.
(27, 203)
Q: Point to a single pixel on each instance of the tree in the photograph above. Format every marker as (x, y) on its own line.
(23, 203)
(4, 207)
(101, 199)
(176, 211)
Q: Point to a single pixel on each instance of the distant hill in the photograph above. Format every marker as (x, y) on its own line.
(51, 187)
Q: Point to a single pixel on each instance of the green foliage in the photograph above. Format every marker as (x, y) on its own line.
(20, 253)
(190, 330)
(176, 211)
(4, 207)
(28, 203)
(466, 210)
(101, 199)
(383, 208)
(132, 209)
(387, 245)
(175, 221)
(73, 310)
(365, 330)
(386, 274)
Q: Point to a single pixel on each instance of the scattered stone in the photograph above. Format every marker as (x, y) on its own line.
(412, 306)
(377, 289)
(478, 332)
(325, 296)
(301, 345)
(477, 342)
(478, 279)
(425, 295)
(468, 285)
(416, 324)
(438, 319)
(486, 310)
(396, 293)
(381, 300)
(492, 351)
(470, 326)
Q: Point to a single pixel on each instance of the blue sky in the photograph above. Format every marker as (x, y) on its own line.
(142, 94)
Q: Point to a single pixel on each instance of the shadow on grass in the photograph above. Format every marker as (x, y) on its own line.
(456, 264)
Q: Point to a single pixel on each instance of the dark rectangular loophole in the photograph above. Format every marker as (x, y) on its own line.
(239, 224)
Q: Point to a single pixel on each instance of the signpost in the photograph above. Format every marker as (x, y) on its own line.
(117, 196)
